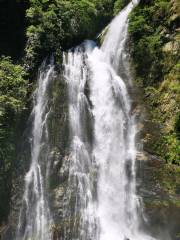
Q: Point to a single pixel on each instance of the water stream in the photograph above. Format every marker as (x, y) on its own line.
(35, 218)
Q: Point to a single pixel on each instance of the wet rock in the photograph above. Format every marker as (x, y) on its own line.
(141, 156)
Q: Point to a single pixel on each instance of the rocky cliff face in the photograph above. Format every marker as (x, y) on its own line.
(158, 184)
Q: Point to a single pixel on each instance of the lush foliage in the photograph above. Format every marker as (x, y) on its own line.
(13, 87)
(155, 50)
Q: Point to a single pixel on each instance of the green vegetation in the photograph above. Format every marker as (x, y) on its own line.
(155, 42)
(13, 88)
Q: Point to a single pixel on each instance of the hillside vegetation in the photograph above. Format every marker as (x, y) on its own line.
(155, 45)
(13, 89)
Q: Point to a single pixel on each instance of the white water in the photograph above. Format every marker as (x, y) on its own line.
(102, 179)
(35, 218)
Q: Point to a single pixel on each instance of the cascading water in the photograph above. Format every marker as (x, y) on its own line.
(79, 206)
(35, 218)
(102, 181)
(114, 128)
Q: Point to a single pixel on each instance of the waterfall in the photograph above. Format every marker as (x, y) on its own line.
(101, 201)
(114, 129)
(35, 218)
